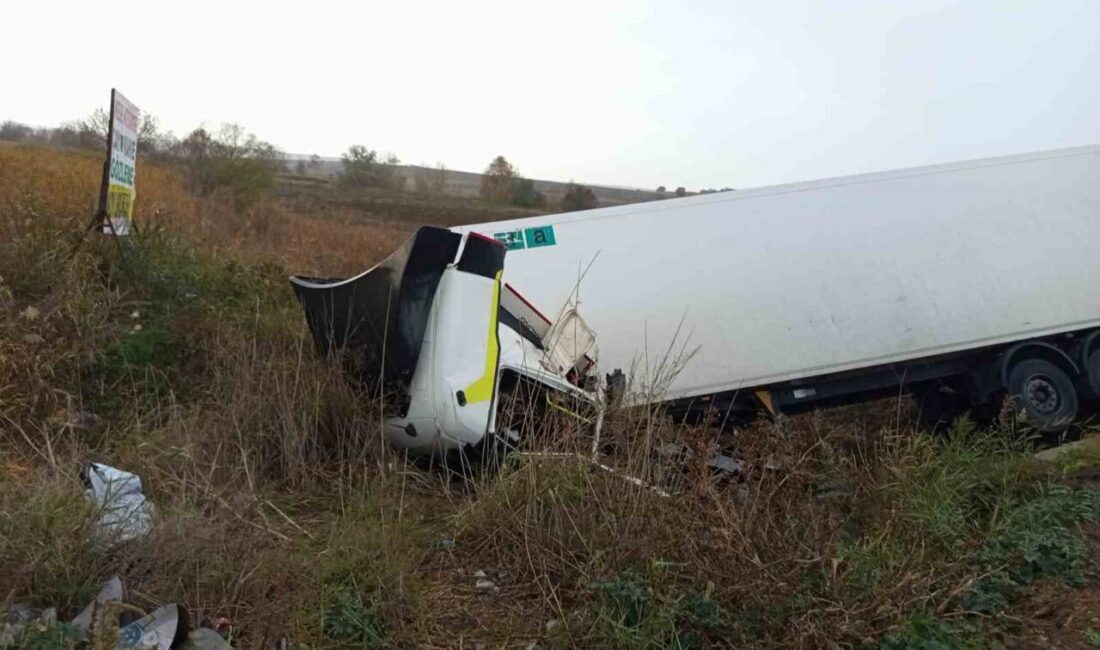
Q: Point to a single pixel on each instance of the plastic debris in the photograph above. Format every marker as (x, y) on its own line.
(724, 463)
(21, 619)
(155, 631)
(125, 514)
(166, 628)
(112, 591)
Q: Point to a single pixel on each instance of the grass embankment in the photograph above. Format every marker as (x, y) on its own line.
(183, 357)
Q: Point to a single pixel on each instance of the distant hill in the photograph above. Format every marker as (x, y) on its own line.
(468, 184)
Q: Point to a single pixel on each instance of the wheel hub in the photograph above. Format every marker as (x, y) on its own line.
(1041, 394)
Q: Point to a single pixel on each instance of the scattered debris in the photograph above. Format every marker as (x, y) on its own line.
(21, 618)
(162, 629)
(483, 583)
(111, 592)
(125, 514)
(724, 463)
(166, 628)
(682, 453)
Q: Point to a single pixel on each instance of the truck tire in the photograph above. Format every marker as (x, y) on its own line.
(1092, 364)
(1043, 393)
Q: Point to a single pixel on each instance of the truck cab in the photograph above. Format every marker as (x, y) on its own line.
(435, 333)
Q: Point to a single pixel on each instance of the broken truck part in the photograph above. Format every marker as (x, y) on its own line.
(437, 334)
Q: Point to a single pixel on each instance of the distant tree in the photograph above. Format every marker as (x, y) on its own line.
(525, 195)
(661, 189)
(498, 179)
(15, 132)
(314, 162)
(97, 123)
(197, 158)
(233, 162)
(300, 167)
(364, 168)
(360, 166)
(680, 191)
(578, 197)
(88, 133)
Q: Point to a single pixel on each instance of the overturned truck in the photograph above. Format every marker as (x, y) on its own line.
(959, 284)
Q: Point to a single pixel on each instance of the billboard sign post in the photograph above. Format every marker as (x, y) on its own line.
(117, 192)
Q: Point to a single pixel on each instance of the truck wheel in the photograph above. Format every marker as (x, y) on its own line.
(1093, 366)
(1044, 393)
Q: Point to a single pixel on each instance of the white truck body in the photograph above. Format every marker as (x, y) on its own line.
(793, 281)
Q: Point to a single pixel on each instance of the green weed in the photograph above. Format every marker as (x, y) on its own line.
(649, 611)
(925, 632)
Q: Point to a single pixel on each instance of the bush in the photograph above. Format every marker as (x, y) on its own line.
(364, 167)
(578, 197)
(232, 163)
(497, 181)
(525, 195)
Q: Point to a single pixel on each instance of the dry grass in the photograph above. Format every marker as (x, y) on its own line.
(280, 507)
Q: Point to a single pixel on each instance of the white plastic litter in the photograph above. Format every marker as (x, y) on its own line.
(112, 591)
(154, 631)
(125, 514)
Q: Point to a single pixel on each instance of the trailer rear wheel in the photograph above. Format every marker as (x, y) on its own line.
(1044, 393)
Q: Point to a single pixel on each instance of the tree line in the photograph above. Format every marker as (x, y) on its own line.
(501, 182)
(228, 162)
(232, 163)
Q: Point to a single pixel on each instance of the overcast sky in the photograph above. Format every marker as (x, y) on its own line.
(696, 93)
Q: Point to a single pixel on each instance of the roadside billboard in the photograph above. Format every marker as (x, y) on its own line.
(116, 200)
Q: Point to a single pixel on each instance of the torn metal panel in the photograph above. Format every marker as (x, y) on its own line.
(381, 313)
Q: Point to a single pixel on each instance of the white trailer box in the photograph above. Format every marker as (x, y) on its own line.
(802, 280)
